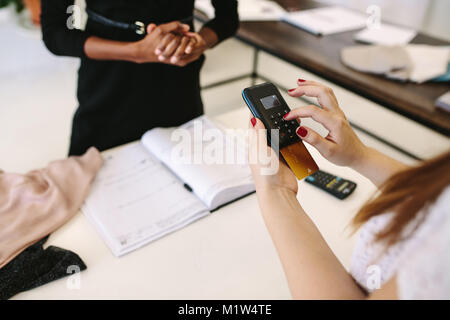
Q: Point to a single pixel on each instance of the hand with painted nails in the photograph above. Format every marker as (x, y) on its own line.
(269, 173)
(341, 146)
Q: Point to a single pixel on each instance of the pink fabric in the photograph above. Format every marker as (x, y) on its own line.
(37, 203)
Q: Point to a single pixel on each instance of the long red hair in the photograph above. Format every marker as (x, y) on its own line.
(405, 194)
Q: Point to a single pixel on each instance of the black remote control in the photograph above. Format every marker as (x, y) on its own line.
(338, 187)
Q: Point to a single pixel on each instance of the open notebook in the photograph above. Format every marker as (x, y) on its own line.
(146, 190)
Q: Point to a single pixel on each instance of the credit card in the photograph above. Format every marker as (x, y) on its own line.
(299, 160)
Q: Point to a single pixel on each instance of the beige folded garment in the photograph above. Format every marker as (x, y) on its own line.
(390, 61)
(37, 203)
(414, 62)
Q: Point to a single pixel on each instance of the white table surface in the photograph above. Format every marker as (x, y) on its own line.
(227, 255)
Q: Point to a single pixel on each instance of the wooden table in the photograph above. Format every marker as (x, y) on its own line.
(321, 55)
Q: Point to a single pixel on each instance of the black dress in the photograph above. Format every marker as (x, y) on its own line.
(118, 100)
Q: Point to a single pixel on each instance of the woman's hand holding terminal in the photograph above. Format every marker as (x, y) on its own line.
(262, 158)
(341, 146)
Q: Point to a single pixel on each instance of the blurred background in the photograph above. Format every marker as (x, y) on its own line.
(428, 16)
(37, 89)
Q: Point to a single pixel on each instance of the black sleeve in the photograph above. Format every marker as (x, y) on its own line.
(226, 21)
(57, 34)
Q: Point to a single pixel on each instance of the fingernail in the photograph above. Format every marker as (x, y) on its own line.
(286, 115)
(302, 132)
(253, 121)
(301, 80)
(290, 90)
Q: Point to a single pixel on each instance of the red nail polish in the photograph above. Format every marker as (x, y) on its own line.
(285, 116)
(290, 90)
(301, 80)
(302, 132)
(253, 121)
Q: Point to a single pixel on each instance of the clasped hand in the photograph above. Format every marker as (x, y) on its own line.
(170, 43)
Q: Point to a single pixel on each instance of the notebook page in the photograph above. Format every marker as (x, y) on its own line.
(207, 180)
(135, 199)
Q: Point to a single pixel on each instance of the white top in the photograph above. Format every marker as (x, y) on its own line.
(421, 262)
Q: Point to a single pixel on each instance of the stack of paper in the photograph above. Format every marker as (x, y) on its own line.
(249, 10)
(386, 34)
(328, 20)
